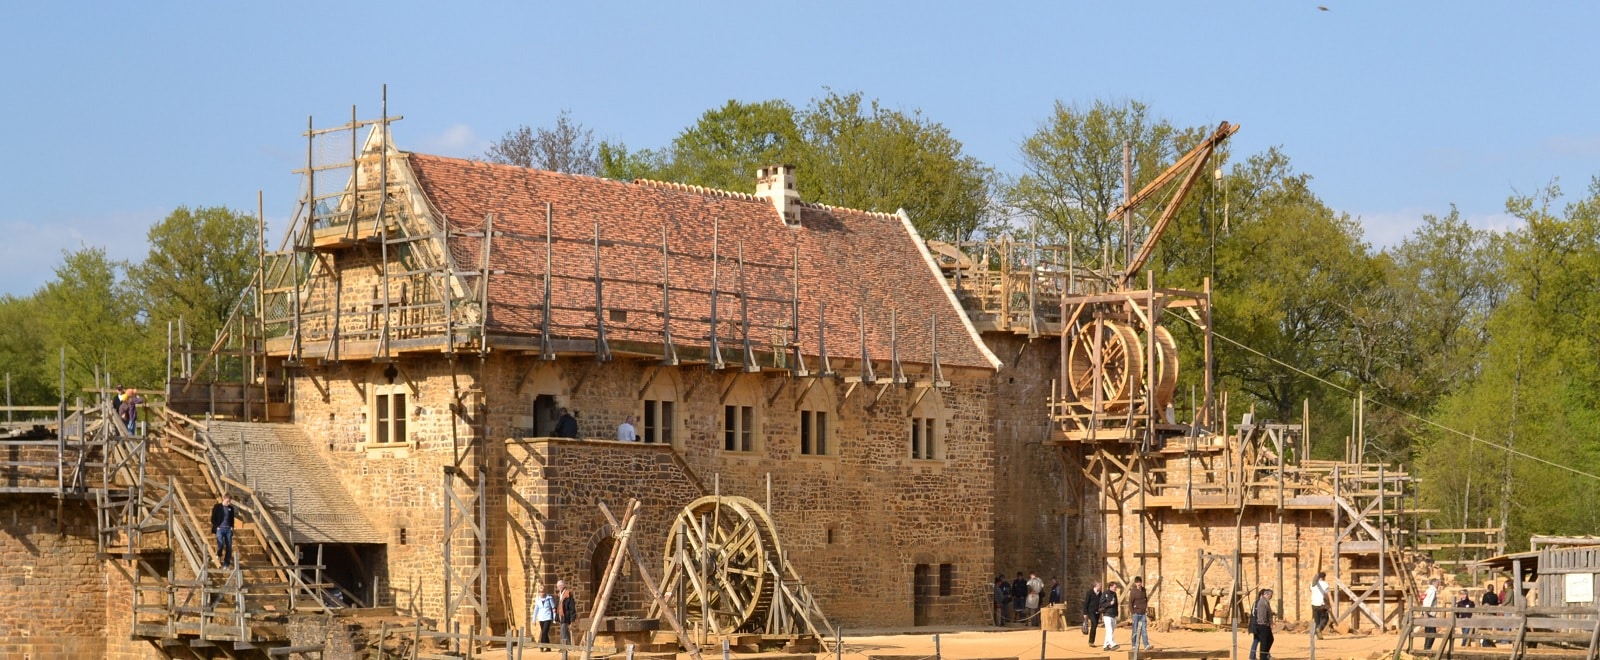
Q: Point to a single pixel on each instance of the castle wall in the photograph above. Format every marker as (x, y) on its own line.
(53, 587)
(856, 522)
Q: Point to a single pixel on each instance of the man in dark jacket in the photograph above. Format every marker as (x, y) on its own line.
(1108, 615)
(1091, 610)
(566, 611)
(1019, 596)
(1261, 625)
(222, 514)
(567, 425)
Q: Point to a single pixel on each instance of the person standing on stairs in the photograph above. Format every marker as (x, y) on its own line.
(222, 517)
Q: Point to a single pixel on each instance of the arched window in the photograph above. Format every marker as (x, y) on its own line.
(926, 424)
(818, 416)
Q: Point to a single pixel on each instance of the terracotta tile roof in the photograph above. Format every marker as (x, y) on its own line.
(855, 261)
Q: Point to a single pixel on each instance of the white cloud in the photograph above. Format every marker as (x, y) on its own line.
(1385, 229)
(32, 251)
(458, 140)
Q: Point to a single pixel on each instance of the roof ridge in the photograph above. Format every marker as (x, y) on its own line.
(830, 207)
(508, 166)
(699, 190)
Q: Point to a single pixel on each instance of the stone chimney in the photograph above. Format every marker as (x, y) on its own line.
(775, 183)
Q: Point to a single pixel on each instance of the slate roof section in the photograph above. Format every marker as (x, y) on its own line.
(279, 457)
(859, 262)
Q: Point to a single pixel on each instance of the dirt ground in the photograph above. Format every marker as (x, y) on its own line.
(962, 644)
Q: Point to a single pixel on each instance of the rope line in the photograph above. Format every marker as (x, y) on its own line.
(1470, 436)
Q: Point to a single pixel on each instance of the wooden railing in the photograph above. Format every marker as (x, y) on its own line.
(1555, 632)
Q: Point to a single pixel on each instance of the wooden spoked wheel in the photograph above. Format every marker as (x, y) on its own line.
(1166, 368)
(729, 542)
(1115, 349)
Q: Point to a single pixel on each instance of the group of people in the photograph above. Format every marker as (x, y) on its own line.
(126, 403)
(559, 610)
(1491, 598)
(1020, 599)
(567, 427)
(1101, 608)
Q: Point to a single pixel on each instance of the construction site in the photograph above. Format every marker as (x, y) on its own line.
(841, 428)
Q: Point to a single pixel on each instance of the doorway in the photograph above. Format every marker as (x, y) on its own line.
(923, 588)
(545, 415)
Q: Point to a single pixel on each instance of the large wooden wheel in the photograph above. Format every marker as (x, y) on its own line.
(1115, 349)
(1166, 368)
(729, 542)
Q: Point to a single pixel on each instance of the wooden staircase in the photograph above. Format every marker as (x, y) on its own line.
(155, 522)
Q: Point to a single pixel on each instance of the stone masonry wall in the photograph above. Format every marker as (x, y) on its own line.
(53, 588)
(399, 487)
(884, 512)
(856, 523)
(1028, 479)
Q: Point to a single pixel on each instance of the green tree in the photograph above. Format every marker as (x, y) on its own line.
(726, 145)
(1531, 400)
(25, 354)
(861, 155)
(847, 152)
(88, 309)
(1073, 169)
(199, 262)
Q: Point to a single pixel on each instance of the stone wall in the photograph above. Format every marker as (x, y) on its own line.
(1175, 540)
(400, 487)
(53, 588)
(856, 522)
(1028, 482)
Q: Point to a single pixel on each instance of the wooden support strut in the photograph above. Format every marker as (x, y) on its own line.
(669, 352)
(602, 348)
(668, 612)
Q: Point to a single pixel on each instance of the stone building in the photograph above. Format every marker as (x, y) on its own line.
(760, 344)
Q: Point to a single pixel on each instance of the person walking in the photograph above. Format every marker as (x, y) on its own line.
(1091, 611)
(1139, 607)
(1108, 615)
(544, 613)
(1261, 626)
(566, 611)
(626, 432)
(1319, 603)
(222, 518)
(1430, 598)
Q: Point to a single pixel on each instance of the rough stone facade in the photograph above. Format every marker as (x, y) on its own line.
(868, 495)
(53, 587)
(1028, 479)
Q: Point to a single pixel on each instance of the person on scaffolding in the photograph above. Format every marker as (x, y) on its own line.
(222, 517)
(128, 409)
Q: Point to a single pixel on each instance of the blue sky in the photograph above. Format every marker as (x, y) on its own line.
(116, 113)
